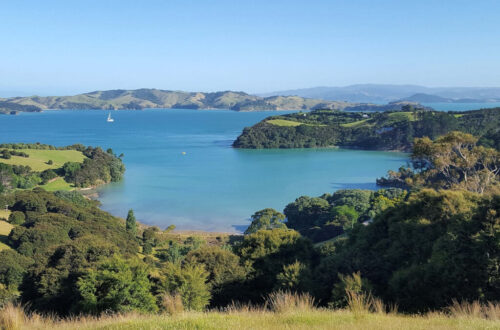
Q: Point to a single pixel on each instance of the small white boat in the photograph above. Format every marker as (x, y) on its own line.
(110, 120)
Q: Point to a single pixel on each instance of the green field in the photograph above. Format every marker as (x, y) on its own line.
(5, 229)
(354, 123)
(315, 319)
(58, 184)
(38, 158)
(283, 122)
(402, 115)
(3, 213)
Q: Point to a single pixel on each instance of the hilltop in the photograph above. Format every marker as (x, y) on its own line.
(389, 93)
(156, 98)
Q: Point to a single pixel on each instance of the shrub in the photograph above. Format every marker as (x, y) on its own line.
(17, 218)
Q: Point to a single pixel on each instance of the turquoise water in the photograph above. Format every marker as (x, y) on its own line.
(210, 187)
(461, 106)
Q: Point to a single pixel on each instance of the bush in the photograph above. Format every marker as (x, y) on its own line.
(17, 218)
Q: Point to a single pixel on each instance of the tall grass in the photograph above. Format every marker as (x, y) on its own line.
(286, 301)
(172, 303)
(286, 311)
(12, 317)
(475, 309)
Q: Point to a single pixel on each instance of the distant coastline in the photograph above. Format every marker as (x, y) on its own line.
(155, 98)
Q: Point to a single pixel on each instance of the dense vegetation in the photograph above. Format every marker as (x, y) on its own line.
(97, 167)
(372, 131)
(417, 248)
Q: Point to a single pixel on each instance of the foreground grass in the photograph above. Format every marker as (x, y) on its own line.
(38, 158)
(317, 319)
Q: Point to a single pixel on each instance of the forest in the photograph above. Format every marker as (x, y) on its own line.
(389, 130)
(421, 247)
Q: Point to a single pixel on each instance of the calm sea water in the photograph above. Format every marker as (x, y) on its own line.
(461, 106)
(210, 187)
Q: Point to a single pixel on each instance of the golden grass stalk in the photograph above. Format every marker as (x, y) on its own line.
(475, 309)
(172, 303)
(286, 301)
(12, 317)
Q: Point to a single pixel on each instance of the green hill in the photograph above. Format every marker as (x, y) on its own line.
(390, 130)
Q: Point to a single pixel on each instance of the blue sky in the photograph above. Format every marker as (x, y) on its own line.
(63, 47)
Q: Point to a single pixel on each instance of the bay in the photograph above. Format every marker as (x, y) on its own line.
(182, 170)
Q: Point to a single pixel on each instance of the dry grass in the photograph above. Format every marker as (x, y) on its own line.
(172, 304)
(250, 317)
(11, 317)
(290, 302)
(475, 309)
(4, 214)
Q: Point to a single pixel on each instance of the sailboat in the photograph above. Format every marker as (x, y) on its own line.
(110, 120)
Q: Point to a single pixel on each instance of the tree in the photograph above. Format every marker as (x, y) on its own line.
(345, 216)
(307, 212)
(116, 285)
(266, 219)
(130, 223)
(190, 281)
(17, 218)
(456, 161)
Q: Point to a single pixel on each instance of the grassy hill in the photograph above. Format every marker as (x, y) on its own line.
(391, 130)
(38, 159)
(156, 98)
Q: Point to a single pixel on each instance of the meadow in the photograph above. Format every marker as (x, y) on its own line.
(5, 229)
(38, 158)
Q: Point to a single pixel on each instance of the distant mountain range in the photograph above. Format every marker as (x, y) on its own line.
(388, 93)
(156, 98)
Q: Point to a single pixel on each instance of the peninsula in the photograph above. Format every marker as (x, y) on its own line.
(390, 130)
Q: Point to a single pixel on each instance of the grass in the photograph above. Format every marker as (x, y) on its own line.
(283, 310)
(401, 115)
(354, 123)
(250, 319)
(5, 229)
(283, 122)
(4, 214)
(58, 184)
(38, 159)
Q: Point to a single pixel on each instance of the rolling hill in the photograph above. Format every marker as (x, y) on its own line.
(155, 98)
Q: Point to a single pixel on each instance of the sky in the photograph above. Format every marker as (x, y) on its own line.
(66, 47)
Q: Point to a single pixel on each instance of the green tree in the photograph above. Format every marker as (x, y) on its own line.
(345, 216)
(131, 223)
(17, 218)
(116, 285)
(266, 219)
(190, 281)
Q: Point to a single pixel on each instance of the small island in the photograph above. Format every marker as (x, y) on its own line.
(389, 130)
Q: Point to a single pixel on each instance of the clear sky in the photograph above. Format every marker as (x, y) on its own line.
(61, 47)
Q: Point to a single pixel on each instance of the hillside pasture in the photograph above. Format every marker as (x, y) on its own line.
(38, 158)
